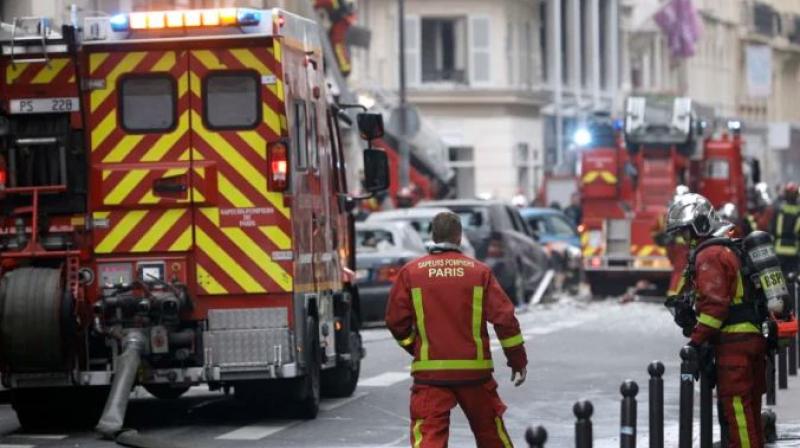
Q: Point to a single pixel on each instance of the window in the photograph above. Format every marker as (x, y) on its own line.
(480, 51)
(148, 103)
(300, 136)
(525, 161)
(374, 239)
(444, 52)
(313, 142)
(557, 225)
(232, 100)
(717, 169)
(462, 162)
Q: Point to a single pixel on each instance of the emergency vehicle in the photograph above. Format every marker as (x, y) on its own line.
(628, 179)
(175, 211)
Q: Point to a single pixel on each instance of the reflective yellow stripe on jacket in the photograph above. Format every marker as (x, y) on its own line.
(742, 327)
(781, 247)
(425, 363)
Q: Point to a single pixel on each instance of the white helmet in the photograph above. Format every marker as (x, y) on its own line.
(729, 212)
(694, 212)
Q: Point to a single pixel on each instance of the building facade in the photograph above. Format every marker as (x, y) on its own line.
(746, 67)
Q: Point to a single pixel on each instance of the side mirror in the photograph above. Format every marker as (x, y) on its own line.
(376, 169)
(370, 126)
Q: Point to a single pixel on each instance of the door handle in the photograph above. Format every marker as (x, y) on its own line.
(172, 187)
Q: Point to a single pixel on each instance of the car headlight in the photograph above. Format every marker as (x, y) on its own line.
(573, 252)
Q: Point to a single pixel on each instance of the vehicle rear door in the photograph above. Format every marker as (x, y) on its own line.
(242, 232)
(138, 131)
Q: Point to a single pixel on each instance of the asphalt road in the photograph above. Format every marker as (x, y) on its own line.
(577, 350)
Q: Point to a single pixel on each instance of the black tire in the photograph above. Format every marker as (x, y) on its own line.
(309, 386)
(58, 408)
(341, 381)
(166, 391)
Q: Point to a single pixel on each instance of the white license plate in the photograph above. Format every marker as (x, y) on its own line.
(44, 105)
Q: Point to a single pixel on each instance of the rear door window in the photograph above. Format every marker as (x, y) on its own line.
(300, 136)
(147, 103)
(232, 100)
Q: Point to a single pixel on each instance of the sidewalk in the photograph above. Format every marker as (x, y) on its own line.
(787, 410)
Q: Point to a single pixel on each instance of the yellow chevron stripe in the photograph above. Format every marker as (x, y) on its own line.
(231, 193)
(124, 187)
(104, 129)
(123, 148)
(157, 230)
(276, 51)
(13, 71)
(126, 65)
(274, 120)
(228, 153)
(277, 236)
(209, 59)
(225, 262)
(208, 282)
(47, 74)
(164, 64)
(255, 142)
(184, 242)
(96, 60)
(183, 86)
(167, 141)
(195, 84)
(258, 256)
(249, 60)
(119, 231)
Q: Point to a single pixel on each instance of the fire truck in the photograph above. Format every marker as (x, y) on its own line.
(174, 211)
(629, 176)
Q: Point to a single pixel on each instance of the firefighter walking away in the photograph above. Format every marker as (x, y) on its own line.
(730, 311)
(438, 311)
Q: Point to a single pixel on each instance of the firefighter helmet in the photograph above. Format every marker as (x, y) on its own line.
(729, 212)
(790, 192)
(693, 212)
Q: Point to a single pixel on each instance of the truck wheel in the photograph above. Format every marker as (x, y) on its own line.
(166, 391)
(341, 381)
(308, 387)
(63, 407)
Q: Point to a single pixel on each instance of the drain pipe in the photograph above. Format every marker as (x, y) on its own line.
(127, 366)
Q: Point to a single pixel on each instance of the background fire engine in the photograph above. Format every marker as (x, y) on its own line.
(627, 182)
(175, 211)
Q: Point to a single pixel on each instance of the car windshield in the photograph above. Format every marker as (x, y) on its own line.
(552, 225)
(472, 218)
(420, 224)
(375, 239)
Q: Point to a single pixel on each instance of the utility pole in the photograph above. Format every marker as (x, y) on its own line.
(404, 150)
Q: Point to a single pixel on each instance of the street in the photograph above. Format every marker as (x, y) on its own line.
(577, 350)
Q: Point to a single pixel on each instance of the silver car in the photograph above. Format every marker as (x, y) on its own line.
(420, 219)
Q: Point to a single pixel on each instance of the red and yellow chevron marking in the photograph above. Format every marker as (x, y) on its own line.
(56, 71)
(142, 231)
(237, 259)
(605, 175)
(126, 166)
(587, 250)
(648, 250)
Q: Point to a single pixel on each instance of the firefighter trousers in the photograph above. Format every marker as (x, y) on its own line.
(430, 414)
(741, 381)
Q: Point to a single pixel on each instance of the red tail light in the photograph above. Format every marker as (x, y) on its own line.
(388, 273)
(3, 173)
(278, 162)
(496, 249)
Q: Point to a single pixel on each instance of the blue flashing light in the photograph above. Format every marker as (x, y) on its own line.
(582, 137)
(248, 17)
(619, 124)
(119, 23)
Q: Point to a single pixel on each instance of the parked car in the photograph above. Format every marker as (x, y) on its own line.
(504, 242)
(382, 248)
(420, 219)
(556, 232)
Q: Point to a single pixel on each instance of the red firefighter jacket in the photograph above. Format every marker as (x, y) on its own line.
(718, 283)
(438, 309)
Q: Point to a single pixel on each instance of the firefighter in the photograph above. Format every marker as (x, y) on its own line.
(438, 311)
(677, 248)
(726, 320)
(785, 228)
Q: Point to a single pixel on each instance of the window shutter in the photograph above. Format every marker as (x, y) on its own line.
(480, 47)
(412, 50)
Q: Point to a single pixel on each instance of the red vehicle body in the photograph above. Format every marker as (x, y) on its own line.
(192, 194)
(628, 183)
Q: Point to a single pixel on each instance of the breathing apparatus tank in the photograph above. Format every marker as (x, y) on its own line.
(760, 251)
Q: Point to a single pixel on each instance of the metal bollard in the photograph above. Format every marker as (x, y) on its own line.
(688, 369)
(656, 404)
(536, 437)
(706, 412)
(768, 420)
(583, 425)
(627, 426)
(783, 368)
(771, 396)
